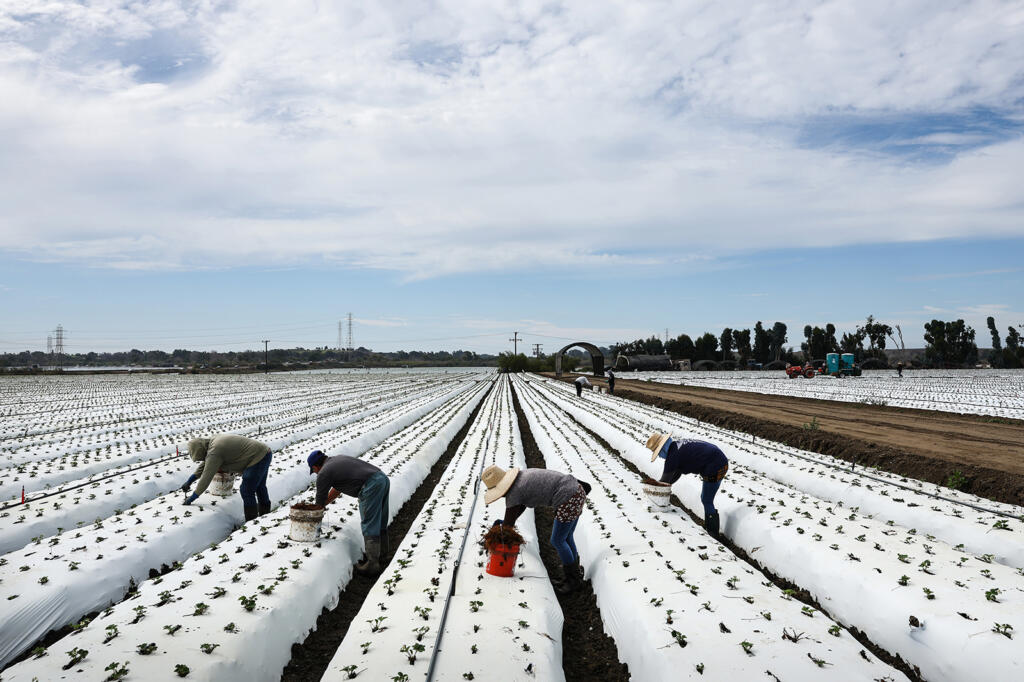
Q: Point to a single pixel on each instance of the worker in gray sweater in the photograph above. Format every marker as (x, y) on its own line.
(543, 488)
(342, 475)
(232, 453)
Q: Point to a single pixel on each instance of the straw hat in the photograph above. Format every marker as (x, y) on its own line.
(655, 443)
(498, 481)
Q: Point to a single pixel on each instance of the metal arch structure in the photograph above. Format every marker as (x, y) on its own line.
(596, 356)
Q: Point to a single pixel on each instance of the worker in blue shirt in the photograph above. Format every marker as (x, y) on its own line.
(691, 456)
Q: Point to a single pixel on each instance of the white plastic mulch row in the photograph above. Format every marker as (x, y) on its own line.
(49, 586)
(233, 611)
(998, 393)
(982, 526)
(677, 603)
(38, 519)
(947, 612)
(100, 453)
(496, 628)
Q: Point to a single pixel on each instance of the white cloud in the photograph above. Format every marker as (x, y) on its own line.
(451, 137)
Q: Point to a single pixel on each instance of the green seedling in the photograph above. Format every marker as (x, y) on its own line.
(146, 649)
(76, 655)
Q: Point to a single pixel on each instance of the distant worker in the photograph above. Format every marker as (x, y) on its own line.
(899, 369)
(689, 456)
(357, 478)
(580, 382)
(611, 382)
(231, 453)
(543, 488)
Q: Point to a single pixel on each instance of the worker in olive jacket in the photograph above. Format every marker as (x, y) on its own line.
(231, 453)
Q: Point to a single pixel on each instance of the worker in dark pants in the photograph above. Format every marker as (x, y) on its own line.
(688, 456)
(611, 382)
(357, 478)
(899, 369)
(231, 453)
(581, 382)
(543, 488)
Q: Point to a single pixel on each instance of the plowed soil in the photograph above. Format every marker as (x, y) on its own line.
(928, 445)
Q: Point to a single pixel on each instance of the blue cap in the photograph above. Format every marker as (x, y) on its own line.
(315, 459)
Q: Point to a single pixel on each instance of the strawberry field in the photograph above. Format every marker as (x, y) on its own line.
(825, 571)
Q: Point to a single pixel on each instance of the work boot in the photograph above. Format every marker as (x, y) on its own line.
(263, 508)
(251, 511)
(385, 548)
(571, 581)
(711, 524)
(578, 570)
(371, 565)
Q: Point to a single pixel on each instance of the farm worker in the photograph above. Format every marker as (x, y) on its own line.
(543, 488)
(231, 453)
(689, 456)
(580, 383)
(611, 382)
(357, 478)
(899, 369)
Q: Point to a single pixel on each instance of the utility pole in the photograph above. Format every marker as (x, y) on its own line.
(666, 334)
(536, 350)
(266, 357)
(515, 343)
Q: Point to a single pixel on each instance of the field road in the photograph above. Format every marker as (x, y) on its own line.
(925, 444)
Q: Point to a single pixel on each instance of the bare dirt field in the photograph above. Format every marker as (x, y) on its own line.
(924, 444)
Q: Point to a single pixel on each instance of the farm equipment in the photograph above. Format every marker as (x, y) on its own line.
(794, 371)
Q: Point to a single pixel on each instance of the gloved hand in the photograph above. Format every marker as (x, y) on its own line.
(190, 499)
(188, 483)
(497, 523)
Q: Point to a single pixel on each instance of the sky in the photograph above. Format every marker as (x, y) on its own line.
(207, 175)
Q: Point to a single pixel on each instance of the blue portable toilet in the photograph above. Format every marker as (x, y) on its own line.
(832, 362)
(847, 360)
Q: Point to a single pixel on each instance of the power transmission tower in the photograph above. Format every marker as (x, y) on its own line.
(515, 343)
(49, 348)
(536, 349)
(59, 346)
(266, 357)
(349, 338)
(339, 335)
(666, 334)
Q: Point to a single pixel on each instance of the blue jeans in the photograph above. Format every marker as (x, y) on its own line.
(254, 483)
(563, 542)
(373, 505)
(707, 496)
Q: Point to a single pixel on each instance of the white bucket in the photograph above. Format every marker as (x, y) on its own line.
(306, 520)
(223, 484)
(657, 494)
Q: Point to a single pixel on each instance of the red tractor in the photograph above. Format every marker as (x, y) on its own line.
(794, 371)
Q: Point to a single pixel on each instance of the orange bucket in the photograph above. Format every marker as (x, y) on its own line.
(503, 560)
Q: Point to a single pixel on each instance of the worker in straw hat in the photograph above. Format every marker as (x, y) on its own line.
(543, 488)
(690, 456)
(357, 478)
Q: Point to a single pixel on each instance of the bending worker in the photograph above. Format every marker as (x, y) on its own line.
(543, 488)
(690, 456)
(230, 453)
(581, 382)
(357, 478)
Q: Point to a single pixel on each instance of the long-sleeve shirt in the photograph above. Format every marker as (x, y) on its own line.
(538, 488)
(345, 474)
(691, 457)
(224, 452)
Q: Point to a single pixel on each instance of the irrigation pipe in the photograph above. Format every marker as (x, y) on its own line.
(458, 560)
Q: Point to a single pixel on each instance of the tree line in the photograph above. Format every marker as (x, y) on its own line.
(276, 358)
(948, 344)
